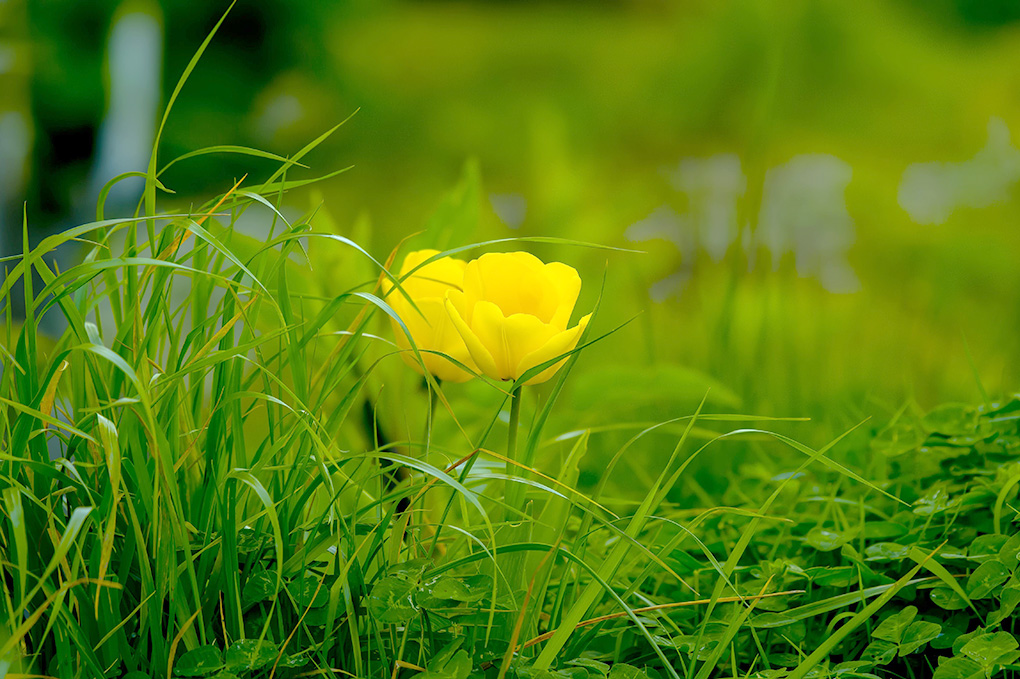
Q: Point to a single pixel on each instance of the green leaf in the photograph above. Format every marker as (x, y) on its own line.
(992, 649)
(832, 576)
(891, 629)
(959, 668)
(880, 530)
(449, 663)
(261, 586)
(1010, 551)
(825, 540)
(918, 634)
(251, 654)
(988, 577)
(897, 438)
(474, 588)
(1009, 598)
(306, 591)
(296, 660)
(943, 597)
(391, 600)
(886, 551)
(880, 652)
(408, 570)
(624, 671)
(951, 419)
(933, 502)
(594, 667)
(986, 547)
(946, 638)
(199, 662)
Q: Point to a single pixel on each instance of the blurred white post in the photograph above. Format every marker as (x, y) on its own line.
(134, 66)
(15, 121)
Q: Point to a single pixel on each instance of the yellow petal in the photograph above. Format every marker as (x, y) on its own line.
(560, 343)
(568, 286)
(432, 331)
(432, 280)
(447, 340)
(516, 282)
(479, 353)
(524, 334)
(487, 326)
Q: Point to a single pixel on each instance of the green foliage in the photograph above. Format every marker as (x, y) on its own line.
(200, 479)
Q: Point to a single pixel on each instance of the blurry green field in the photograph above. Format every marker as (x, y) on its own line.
(581, 114)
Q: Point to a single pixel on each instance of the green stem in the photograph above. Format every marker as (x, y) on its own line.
(513, 490)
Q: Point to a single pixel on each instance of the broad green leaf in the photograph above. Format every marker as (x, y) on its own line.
(985, 547)
(880, 530)
(992, 649)
(199, 662)
(934, 501)
(946, 638)
(456, 667)
(879, 652)
(250, 654)
(307, 592)
(918, 634)
(891, 629)
(1010, 551)
(943, 597)
(1009, 598)
(594, 667)
(886, 551)
(391, 600)
(473, 588)
(987, 578)
(261, 586)
(951, 419)
(624, 671)
(959, 668)
(825, 540)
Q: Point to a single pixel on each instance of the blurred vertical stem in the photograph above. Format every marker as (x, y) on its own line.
(512, 565)
(513, 494)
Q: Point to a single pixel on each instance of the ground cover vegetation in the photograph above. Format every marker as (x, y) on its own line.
(222, 467)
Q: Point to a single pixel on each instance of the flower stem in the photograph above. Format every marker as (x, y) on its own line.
(513, 499)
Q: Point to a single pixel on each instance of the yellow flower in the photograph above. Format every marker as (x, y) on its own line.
(512, 312)
(430, 325)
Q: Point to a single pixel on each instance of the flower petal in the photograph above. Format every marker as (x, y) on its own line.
(479, 353)
(560, 343)
(431, 280)
(487, 323)
(516, 282)
(522, 335)
(432, 330)
(568, 286)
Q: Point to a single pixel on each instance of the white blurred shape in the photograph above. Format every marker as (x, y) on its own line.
(509, 207)
(931, 192)
(804, 212)
(279, 113)
(15, 145)
(134, 62)
(713, 186)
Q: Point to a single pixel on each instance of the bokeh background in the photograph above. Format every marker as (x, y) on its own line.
(825, 193)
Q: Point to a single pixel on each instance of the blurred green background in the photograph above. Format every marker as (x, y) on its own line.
(826, 193)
